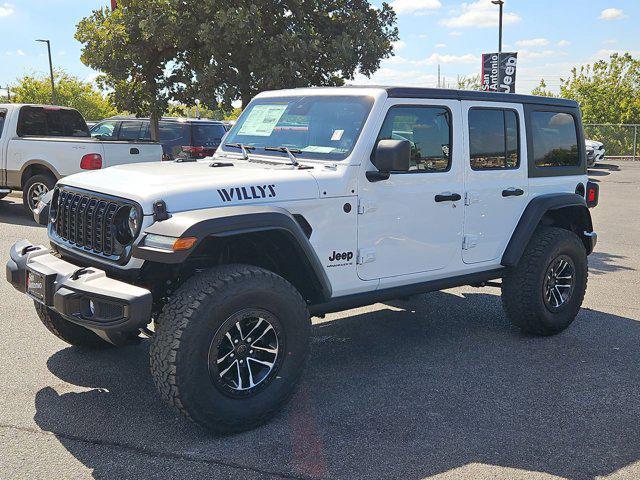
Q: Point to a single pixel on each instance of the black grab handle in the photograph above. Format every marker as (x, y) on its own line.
(451, 197)
(134, 151)
(512, 192)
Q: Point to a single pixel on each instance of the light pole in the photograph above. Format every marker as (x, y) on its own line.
(501, 4)
(53, 86)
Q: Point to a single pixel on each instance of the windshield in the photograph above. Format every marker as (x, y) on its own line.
(319, 127)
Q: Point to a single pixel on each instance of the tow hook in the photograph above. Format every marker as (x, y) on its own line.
(79, 272)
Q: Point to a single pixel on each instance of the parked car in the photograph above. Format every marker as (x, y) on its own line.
(316, 202)
(181, 138)
(40, 144)
(598, 151)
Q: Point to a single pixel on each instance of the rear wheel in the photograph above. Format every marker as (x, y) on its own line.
(230, 346)
(34, 188)
(543, 293)
(69, 332)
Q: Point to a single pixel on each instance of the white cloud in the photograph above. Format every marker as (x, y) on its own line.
(399, 45)
(389, 76)
(62, 53)
(455, 33)
(6, 9)
(18, 53)
(412, 6)
(610, 41)
(423, 36)
(540, 54)
(441, 45)
(481, 13)
(612, 14)
(433, 59)
(533, 42)
(564, 43)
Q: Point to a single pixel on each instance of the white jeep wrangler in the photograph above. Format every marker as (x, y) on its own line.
(318, 200)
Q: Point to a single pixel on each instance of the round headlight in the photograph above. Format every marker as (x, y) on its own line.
(134, 221)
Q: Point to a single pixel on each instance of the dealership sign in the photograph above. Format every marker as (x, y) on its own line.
(499, 72)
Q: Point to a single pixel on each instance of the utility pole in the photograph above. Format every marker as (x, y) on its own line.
(53, 85)
(501, 4)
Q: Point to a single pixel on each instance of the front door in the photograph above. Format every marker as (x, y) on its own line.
(412, 222)
(496, 180)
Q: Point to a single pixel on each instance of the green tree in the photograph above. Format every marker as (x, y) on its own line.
(471, 82)
(136, 48)
(243, 47)
(70, 92)
(217, 113)
(608, 91)
(542, 91)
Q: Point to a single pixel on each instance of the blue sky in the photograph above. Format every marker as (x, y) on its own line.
(551, 36)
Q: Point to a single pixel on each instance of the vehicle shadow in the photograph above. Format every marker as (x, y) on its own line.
(606, 166)
(12, 211)
(413, 389)
(603, 262)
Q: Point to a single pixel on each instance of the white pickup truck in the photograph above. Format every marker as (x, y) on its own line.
(40, 144)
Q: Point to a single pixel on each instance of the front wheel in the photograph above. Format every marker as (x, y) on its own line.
(543, 293)
(230, 346)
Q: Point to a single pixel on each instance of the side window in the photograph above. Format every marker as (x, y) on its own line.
(3, 114)
(51, 122)
(494, 141)
(555, 140)
(130, 131)
(429, 131)
(105, 130)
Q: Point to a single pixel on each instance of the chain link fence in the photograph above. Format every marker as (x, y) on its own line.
(620, 141)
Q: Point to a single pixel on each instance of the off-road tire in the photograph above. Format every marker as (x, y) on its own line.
(523, 286)
(48, 181)
(67, 331)
(179, 357)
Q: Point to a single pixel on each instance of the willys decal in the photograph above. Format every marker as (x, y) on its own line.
(254, 192)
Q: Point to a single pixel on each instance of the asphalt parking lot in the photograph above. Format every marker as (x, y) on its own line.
(437, 387)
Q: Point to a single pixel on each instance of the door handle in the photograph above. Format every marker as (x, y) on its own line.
(512, 192)
(448, 197)
(134, 151)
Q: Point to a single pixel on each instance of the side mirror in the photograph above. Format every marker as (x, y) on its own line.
(392, 155)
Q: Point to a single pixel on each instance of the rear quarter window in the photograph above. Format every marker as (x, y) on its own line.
(555, 139)
(51, 122)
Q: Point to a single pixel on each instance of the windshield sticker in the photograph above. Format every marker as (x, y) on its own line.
(337, 135)
(318, 149)
(255, 192)
(261, 120)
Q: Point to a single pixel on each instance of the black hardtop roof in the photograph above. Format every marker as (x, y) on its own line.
(415, 92)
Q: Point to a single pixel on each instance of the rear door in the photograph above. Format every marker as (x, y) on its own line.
(496, 180)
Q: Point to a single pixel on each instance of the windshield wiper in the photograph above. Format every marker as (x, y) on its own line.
(289, 151)
(244, 148)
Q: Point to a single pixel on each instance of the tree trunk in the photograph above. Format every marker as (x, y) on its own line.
(154, 127)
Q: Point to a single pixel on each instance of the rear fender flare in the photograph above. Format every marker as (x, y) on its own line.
(533, 215)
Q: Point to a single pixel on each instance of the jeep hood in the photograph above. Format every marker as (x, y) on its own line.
(195, 185)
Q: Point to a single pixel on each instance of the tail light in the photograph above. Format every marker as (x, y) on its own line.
(91, 161)
(592, 194)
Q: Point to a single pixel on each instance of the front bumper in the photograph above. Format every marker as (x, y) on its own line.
(85, 296)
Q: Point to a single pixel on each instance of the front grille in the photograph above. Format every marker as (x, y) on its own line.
(87, 221)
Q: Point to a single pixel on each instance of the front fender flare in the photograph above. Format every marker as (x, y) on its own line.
(227, 221)
(532, 216)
